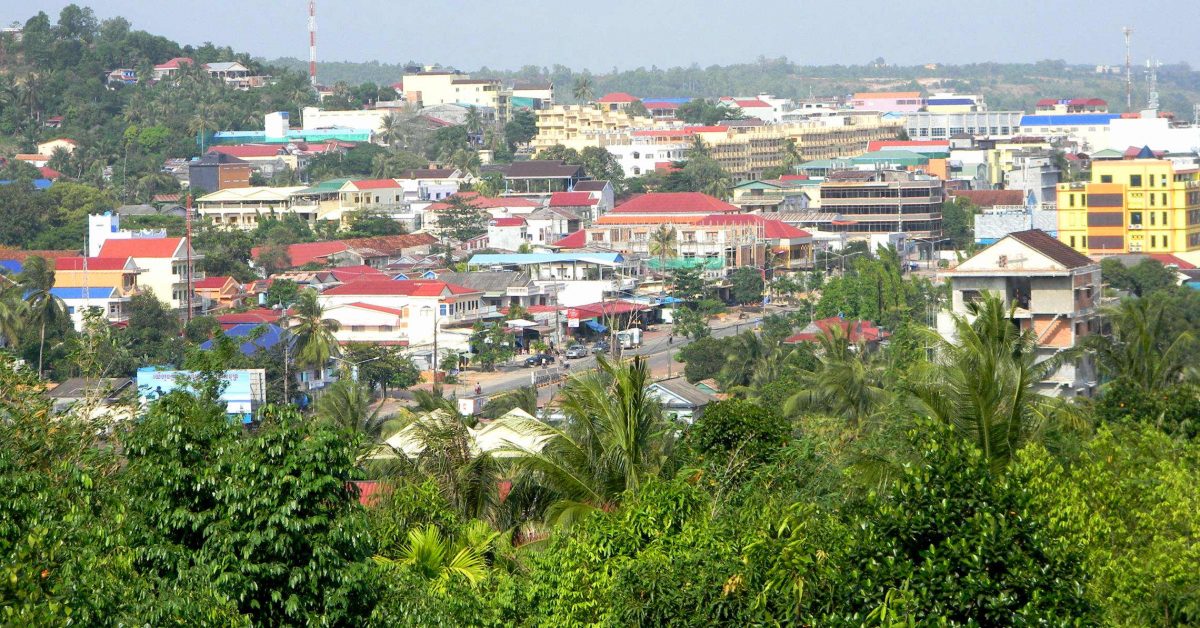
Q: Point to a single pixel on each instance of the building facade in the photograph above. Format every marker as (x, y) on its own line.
(882, 202)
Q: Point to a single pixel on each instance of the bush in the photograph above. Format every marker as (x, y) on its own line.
(741, 428)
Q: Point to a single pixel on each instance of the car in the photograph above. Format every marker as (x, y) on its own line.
(540, 359)
(601, 346)
(576, 351)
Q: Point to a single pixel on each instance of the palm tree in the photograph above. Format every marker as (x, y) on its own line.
(699, 147)
(439, 560)
(983, 382)
(747, 352)
(315, 342)
(392, 129)
(1139, 352)
(45, 308)
(583, 89)
(791, 154)
(13, 313)
(467, 478)
(348, 404)
(847, 383)
(473, 120)
(614, 436)
(662, 244)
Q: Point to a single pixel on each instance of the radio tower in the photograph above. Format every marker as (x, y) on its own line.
(1128, 31)
(312, 42)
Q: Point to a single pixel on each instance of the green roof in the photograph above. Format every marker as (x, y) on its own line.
(325, 187)
(1108, 153)
(901, 157)
(756, 185)
(823, 164)
(672, 263)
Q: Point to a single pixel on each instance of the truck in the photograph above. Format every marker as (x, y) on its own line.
(629, 338)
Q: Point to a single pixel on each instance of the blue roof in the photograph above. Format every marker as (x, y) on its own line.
(11, 266)
(80, 293)
(1070, 119)
(38, 184)
(270, 337)
(950, 101)
(677, 101)
(522, 259)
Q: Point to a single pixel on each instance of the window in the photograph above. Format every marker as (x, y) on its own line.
(1152, 205)
(1135, 180)
(1164, 199)
(1106, 178)
(1135, 218)
(1070, 200)
(1151, 180)
(358, 328)
(1165, 245)
(1072, 241)
(442, 309)
(1151, 218)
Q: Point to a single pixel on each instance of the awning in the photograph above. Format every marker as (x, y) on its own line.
(520, 322)
(596, 326)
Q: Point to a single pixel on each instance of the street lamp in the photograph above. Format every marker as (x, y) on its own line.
(285, 327)
(353, 364)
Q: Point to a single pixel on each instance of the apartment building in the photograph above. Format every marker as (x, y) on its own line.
(1141, 205)
(242, 208)
(579, 126)
(1055, 291)
(404, 312)
(880, 202)
(927, 125)
(441, 87)
(164, 265)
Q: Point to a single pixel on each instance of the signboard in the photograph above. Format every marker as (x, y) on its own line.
(572, 318)
(243, 391)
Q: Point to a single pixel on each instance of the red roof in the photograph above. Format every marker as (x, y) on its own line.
(1167, 259)
(616, 97)
(793, 177)
(855, 331)
(514, 221)
(211, 282)
(575, 240)
(356, 273)
(49, 173)
(93, 263)
(141, 247)
(675, 203)
(878, 145)
(773, 229)
(378, 308)
(249, 150)
(991, 198)
(485, 202)
(572, 199)
(658, 104)
(538, 309)
(777, 229)
(174, 63)
(370, 491)
(603, 308)
(375, 184)
(261, 315)
(751, 102)
(22, 255)
(389, 287)
(301, 254)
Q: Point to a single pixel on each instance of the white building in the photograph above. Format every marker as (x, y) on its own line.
(107, 226)
(1088, 130)
(242, 208)
(405, 312)
(941, 126)
(508, 234)
(164, 262)
(580, 278)
(315, 118)
(1153, 131)
(641, 157)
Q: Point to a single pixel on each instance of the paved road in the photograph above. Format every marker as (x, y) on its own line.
(659, 351)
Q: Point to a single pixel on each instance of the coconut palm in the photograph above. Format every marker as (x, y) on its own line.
(662, 244)
(613, 438)
(45, 308)
(473, 120)
(1140, 352)
(315, 342)
(847, 382)
(747, 351)
(14, 311)
(983, 382)
(348, 404)
(582, 91)
(467, 478)
(392, 129)
(440, 560)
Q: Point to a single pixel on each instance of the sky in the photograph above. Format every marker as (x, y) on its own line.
(626, 34)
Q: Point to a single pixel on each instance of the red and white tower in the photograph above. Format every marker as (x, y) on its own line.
(312, 42)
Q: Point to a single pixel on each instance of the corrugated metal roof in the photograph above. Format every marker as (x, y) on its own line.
(1074, 119)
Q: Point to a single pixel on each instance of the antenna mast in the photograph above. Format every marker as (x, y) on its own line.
(312, 42)
(1128, 31)
(1152, 81)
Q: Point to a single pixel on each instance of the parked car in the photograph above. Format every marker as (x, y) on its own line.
(601, 346)
(540, 359)
(576, 351)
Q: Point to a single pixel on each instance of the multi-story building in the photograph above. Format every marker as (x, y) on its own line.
(1141, 205)
(954, 103)
(578, 126)
(1036, 176)
(164, 265)
(536, 95)
(883, 202)
(888, 101)
(1071, 105)
(95, 282)
(1088, 130)
(578, 278)
(217, 171)
(926, 125)
(107, 226)
(405, 312)
(1054, 290)
(242, 208)
(439, 87)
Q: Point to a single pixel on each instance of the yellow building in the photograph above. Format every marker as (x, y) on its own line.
(442, 87)
(580, 126)
(1132, 206)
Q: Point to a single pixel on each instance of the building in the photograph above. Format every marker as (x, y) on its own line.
(680, 400)
(1150, 129)
(1055, 291)
(954, 103)
(579, 278)
(505, 288)
(614, 101)
(1141, 205)
(1088, 130)
(243, 207)
(110, 302)
(413, 312)
(243, 392)
(547, 225)
(439, 87)
(171, 67)
(1035, 176)
(217, 171)
(903, 102)
(602, 191)
(884, 202)
(1059, 106)
(219, 293)
(107, 226)
(536, 95)
(375, 252)
(96, 282)
(578, 126)
(857, 332)
(508, 234)
(538, 177)
(64, 144)
(164, 264)
(943, 126)
(315, 119)
(641, 157)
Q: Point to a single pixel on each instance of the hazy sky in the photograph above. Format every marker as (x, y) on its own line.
(631, 33)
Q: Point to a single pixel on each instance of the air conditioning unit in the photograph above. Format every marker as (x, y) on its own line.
(1135, 226)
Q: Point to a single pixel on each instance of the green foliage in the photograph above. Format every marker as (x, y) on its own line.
(706, 112)
(739, 429)
(1142, 279)
(461, 220)
(958, 222)
(382, 367)
(152, 335)
(747, 285)
(704, 358)
(491, 345)
(521, 128)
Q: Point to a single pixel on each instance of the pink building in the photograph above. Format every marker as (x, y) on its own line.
(904, 102)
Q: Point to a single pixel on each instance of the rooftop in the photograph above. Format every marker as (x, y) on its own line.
(1049, 246)
(391, 287)
(675, 203)
(141, 248)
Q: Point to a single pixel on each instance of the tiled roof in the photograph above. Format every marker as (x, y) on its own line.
(513, 221)
(591, 186)
(878, 145)
(49, 173)
(211, 282)
(301, 254)
(648, 219)
(93, 263)
(392, 244)
(575, 240)
(250, 150)
(80, 292)
(777, 229)
(572, 199)
(355, 273)
(991, 198)
(22, 255)
(253, 317)
(616, 97)
(378, 308)
(750, 103)
(389, 287)
(174, 63)
(608, 308)
(141, 247)
(1049, 246)
(485, 202)
(855, 331)
(1167, 259)
(375, 184)
(542, 168)
(674, 203)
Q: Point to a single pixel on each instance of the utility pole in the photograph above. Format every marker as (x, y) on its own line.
(188, 316)
(1128, 32)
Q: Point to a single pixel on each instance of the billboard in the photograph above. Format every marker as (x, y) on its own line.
(243, 391)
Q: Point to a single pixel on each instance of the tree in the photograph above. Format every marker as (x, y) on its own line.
(282, 292)
(274, 258)
(1142, 279)
(662, 244)
(521, 128)
(600, 164)
(347, 405)
(45, 307)
(461, 220)
(13, 313)
(637, 108)
(612, 440)
(491, 345)
(473, 120)
(152, 335)
(984, 383)
(747, 285)
(846, 383)
(706, 112)
(382, 367)
(315, 342)
(439, 560)
(1140, 353)
(582, 90)
(735, 429)
(687, 283)
(958, 222)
